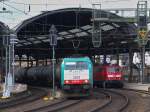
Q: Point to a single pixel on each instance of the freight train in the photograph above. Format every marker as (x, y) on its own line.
(77, 76)
(103, 75)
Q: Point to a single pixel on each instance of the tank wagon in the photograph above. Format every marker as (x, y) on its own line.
(38, 76)
(77, 76)
(108, 76)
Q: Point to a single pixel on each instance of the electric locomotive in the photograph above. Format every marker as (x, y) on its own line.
(77, 76)
(108, 76)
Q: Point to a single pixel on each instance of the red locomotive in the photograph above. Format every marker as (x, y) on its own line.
(108, 76)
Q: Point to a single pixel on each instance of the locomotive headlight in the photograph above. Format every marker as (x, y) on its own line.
(86, 81)
(110, 76)
(66, 81)
(118, 75)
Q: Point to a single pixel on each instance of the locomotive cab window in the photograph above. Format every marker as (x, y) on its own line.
(113, 69)
(76, 66)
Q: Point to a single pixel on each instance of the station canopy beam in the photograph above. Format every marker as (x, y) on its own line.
(96, 33)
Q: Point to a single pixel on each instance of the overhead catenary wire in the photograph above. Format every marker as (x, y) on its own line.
(45, 4)
(14, 8)
(117, 0)
(29, 7)
(41, 4)
(4, 12)
(30, 4)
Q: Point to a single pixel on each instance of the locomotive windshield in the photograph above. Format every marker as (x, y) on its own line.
(113, 69)
(76, 66)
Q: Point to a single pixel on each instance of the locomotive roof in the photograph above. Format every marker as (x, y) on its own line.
(77, 59)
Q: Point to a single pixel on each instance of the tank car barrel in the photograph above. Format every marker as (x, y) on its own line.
(37, 75)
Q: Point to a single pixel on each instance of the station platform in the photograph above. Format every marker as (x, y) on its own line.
(18, 88)
(137, 86)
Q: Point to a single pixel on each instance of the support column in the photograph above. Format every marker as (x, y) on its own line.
(46, 62)
(37, 62)
(104, 59)
(31, 62)
(130, 65)
(94, 59)
(142, 63)
(57, 60)
(117, 56)
(20, 61)
(3, 62)
(1, 71)
(27, 61)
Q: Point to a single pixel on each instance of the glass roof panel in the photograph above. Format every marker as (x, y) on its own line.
(22, 41)
(60, 38)
(31, 39)
(86, 27)
(18, 45)
(90, 31)
(103, 23)
(107, 27)
(81, 34)
(41, 37)
(36, 42)
(46, 40)
(116, 25)
(63, 33)
(75, 30)
(28, 43)
(69, 36)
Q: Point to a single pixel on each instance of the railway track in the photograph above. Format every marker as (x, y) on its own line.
(63, 104)
(126, 99)
(99, 99)
(105, 104)
(142, 95)
(110, 103)
(103, 100)
(32, 94)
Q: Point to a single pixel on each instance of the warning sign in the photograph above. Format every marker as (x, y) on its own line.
(142, 33)
(142, 36)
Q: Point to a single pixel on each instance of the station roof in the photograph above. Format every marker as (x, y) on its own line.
(74, 28)
(4, 30)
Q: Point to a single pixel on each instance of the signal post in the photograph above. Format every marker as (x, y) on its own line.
(142, 33)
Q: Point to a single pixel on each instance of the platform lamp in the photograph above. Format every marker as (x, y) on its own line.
(6, 90)
(13, 41)
(53, 42)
